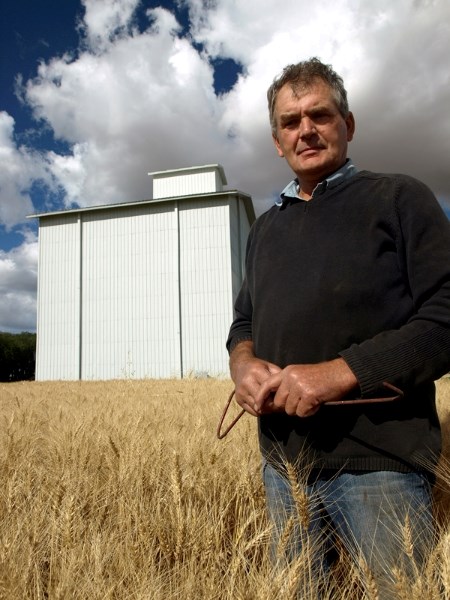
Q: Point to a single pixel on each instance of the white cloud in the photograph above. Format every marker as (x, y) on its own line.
(106, 20)
(69, 171)
(133, 101)
(18, 169)
(134, 107)
(18, 276)
(392, 56)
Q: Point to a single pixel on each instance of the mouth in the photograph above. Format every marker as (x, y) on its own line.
(310, 150)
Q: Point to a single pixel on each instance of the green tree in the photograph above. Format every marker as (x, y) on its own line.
(17, 356)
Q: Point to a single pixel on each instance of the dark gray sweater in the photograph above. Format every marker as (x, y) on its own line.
(362, 271)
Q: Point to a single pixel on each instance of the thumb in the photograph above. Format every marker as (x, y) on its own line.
(273, 369)
(269, 386)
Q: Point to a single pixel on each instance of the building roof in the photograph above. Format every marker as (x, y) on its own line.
(216, 195)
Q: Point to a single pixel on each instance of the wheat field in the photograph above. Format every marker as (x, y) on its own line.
(120, 490)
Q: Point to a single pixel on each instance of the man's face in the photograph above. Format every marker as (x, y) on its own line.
(311, 133)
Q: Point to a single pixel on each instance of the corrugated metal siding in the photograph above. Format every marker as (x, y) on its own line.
(130, 294)
(205, 265)
(235, 250)
(152, 295)
(57, 351)
(244, 230)
(186, 184)
(239, 230)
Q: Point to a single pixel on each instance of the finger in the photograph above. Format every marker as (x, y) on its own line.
(292, 404)
(269, 406)
(267, 388)
(306, 410)
(250, 410)
(245, 401)
(273, 369)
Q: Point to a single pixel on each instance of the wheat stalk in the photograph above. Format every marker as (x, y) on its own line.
(119, 490)
(300, 497)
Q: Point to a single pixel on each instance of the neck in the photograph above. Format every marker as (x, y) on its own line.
(303, 194)
(307, 187)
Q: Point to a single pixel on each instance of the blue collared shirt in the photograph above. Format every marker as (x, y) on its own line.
(336, 178)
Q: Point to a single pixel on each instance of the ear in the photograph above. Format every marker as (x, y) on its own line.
(277, 146)
(350, 123)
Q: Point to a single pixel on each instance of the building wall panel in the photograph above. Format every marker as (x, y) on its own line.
(130, 299)
(235, 249)
(186, 184)
(57, 350)
(206, 309)
(239, 230)
(140, 290)
(206, 179)
(244, 230)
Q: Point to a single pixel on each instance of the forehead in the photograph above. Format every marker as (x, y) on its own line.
(291, 97)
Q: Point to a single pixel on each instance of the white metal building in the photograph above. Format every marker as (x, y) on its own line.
(142, 289)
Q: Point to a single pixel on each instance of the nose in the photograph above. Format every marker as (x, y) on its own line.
(307, 128)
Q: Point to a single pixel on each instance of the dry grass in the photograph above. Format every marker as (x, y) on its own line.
(120, 490)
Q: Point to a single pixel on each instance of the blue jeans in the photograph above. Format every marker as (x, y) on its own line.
(382, 517)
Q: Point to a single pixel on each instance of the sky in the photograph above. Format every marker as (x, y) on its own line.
(95, 94)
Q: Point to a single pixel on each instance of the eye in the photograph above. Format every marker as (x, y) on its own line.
(289, 123)
(321, 117)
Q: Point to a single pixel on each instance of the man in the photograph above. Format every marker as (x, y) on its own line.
(347, 288)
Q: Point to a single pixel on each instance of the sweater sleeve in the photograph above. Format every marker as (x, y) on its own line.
(419, 351)
(241, 327)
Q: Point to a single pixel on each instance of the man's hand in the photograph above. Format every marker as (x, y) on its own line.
(248, 373)
(301, 389)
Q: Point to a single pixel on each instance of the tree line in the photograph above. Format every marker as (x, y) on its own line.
(17, 356)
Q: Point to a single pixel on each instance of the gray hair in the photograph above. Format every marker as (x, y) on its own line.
(303, 75)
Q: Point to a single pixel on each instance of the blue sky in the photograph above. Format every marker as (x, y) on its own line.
(28, 34)
(94, 94)
(32, 32)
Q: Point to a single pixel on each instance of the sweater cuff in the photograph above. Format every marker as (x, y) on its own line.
(235, 341)
(358, 365)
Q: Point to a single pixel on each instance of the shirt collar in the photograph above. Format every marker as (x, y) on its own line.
(333, 180)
